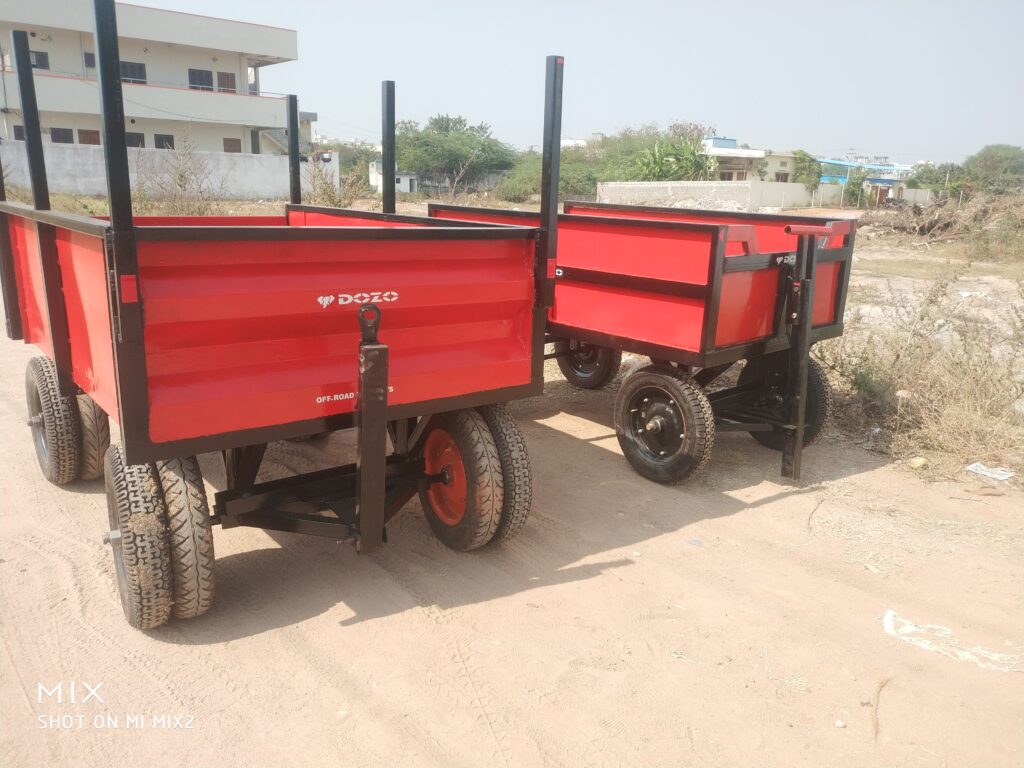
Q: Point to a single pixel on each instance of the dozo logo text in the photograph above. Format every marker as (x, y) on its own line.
(364, 297)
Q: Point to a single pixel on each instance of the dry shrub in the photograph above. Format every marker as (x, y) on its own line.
(985, 227)
(940, 379)
(325, 190)
(180, 182)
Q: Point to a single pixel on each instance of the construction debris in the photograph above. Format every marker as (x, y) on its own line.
(946, 219)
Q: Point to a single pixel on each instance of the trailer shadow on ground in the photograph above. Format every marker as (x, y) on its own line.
(591, 515)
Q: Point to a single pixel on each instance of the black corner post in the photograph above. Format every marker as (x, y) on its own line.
(294, 178)
(30, 118)
(121, 257)
(371, 482)
(12, 311)
(799, 308)
(115, 148)
(548, 243)
(46, 234)
(387, 146)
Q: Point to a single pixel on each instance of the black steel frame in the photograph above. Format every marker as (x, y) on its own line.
(362, 496)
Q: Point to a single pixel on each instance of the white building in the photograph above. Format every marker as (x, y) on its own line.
(404, 182)
(736, 163)
(183, 75)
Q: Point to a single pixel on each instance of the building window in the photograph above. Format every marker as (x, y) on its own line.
(39, 59)
(783, 163)
(88, 136)
(200, 79)
(133, 139)
(19, 133)
(741, 175)
(781, 176)
(62, 136)
(90, 60)
(163, 141)
(133, 72)
(226, 82)
(232, 145)
(725, 176)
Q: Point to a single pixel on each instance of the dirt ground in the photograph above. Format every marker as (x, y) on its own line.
(859, 618)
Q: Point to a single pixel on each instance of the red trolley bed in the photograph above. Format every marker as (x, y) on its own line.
(221, 334)
(696, 291)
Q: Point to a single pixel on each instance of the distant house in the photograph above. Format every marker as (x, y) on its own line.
(737, 163)
(404, 181)
(182, 74)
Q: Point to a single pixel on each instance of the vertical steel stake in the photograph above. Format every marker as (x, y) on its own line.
(387, 146)
(371, 484)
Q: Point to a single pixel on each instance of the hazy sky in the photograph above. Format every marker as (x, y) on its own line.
(913, 79)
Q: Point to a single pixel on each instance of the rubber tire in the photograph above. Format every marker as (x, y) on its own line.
(142, 560)
(817, 411)
(94, 427)
(59, 459)
(608, 363)
(698, 418)
(516, 474)
(190, 536)
(484, 483)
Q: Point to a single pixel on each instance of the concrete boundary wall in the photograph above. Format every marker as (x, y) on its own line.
(751, 195)
(79, 170)
(747, 195)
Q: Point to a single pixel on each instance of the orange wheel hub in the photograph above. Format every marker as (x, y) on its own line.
(448, 498)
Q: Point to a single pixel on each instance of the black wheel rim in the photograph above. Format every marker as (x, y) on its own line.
(36, 423)
(584, 359)
(656, 424)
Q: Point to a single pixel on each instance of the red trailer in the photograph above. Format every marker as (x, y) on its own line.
(696, 291)
(222, 334)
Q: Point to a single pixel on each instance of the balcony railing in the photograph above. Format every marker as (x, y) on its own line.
(58, 92)
(248, 90)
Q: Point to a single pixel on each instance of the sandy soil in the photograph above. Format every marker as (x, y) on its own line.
(732, 621)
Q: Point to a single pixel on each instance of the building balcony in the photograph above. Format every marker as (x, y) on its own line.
(64, 93)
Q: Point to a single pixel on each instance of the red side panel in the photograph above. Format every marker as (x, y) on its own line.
(252, 334)
(489, 216)
(663, 254)
(771, 236)
(649, 317)
(346, 219)
(31, 291)
(83, 274)
(826, 285)
(208, 221)
(747, 306)
(624, 249)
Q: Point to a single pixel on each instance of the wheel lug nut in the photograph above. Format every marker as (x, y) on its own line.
(111, 536)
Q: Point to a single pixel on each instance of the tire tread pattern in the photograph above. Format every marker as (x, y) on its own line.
(137, 506)
(190, 537)
(60, 422)
(95, 432)
(688, 393)
(485, 483)
(517, 475)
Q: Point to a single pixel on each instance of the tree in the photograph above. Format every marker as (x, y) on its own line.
(854, 195)
(806, 169)
(945, 176)
(680, 160)
(997, 168)
(450, 151)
